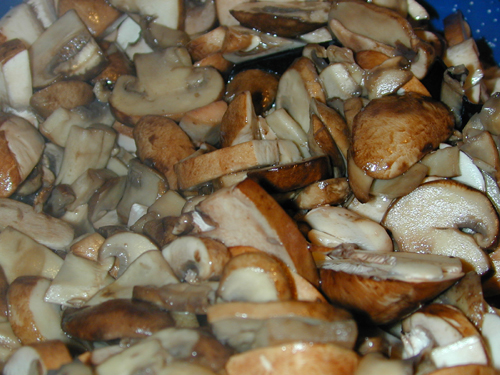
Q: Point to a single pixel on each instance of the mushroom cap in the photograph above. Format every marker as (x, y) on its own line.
(392, 133)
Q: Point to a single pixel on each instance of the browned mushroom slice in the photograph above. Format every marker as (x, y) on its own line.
(162, 143)
(261, 84)
(66, 94)
(193, 298)
(66, 49)
(174, 88)
(207, 167)
(48, 231)
(392, 133)
(87, 11)
(44, 356)
(295, 358)
(285, 19)
(21, 147)
(267, 226)
(239, 123)
(207, 44)
(32, 319)
(335, 226)
(292, 176)
(320, 142)
(246, 325)
(465, 370)
(196, 259)
(333, 191)
(417, 227)
(384, 287)
(115, 319)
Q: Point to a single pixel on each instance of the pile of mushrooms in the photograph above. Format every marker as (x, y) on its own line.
(234, 187)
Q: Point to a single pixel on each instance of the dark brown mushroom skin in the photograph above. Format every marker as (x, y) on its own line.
(115, 319)
(261, 84)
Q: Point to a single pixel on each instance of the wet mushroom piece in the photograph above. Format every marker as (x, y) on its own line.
(384, 287)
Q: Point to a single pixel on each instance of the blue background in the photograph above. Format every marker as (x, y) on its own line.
(482, 15)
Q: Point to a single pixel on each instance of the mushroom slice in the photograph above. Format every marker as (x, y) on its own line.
(203, 168)
(115, 319)
(202, 125)
(377, 363)
(48, 231)
(77, 281)
(384, 286)
(417, 227)
(87, 11)
(167, 13)
(195, 259)
(176, 87)
(66, 94)
(333, 191)
(267, 226)
(285, 19)
(287, 128)
(21, 147)
(239, 123)
(105, 199)
(402, 184)
(183, 297)
(292, 176)
(16, 73)
(162, 143)
(413, 125)
(66, 49)
(125, 248)
(85, 148)
(256, 277)
(295, 358)
(334, 226)
(443, 162)
(32, 319)
(159, 273)
(42, 356)
(207, 44)
(200, 17)
(20, 22)
(246, 325)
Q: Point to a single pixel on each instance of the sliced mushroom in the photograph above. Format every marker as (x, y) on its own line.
(168, 13)
(334, 226)
(21, 147)
(423, 229)
(295, 358)
(66, 49)
(32, 319)
(203, 124)
(413, 126)
(246, 325)
(66, 94)
(21, 14)
(201, 16)
(114, 319)
(162, 143)
(285, 127)
(333, 191)
(285, 19)
(196, 259)
(369, 283)
(188, 87)
(267, 226)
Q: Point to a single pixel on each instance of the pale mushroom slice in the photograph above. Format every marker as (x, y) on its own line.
(413, 126)
(267, 226)
(334, 226)
(66, 49)
(417, 227)
(285, 127)
(384, 287)
(285, 19)
(377, 363)
(20, 22)
(32, 319)
(175, 88)
(295, 358)
(159, 273)
(15, 70)
(48, 231)
(255, 277)
(194, 259)
(162, 143)
(246, 325)
(40, 357)
(203, 168)
(202, 125)
(167, 13)
(21, 148)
